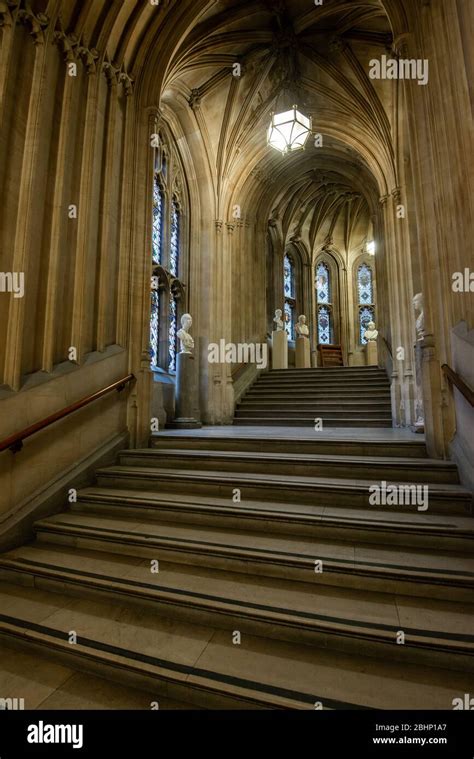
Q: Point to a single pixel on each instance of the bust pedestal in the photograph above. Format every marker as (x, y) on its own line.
(186, 394)
(419, 425)
(279, 349)
(371, 353)
(303, 353)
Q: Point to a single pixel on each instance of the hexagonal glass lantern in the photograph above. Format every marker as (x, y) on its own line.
(289, 130)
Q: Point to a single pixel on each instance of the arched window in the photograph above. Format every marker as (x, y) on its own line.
(172, 333)
(157, 234)
(324, 325)
(290, 295)
(365, 293)
(364, 284)
(174, 252)
(167, 237)
(175, 237)
(323, 283)
(154, 328)
(324, 304)
(157, 256)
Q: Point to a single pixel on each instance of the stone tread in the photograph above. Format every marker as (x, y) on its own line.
(336, 484)
(294, 458)
(441, 525)
(309, 607)
(452, 568)
(204, 663)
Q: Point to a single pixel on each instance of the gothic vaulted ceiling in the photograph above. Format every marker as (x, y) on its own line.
(182, 56)
(243, 60)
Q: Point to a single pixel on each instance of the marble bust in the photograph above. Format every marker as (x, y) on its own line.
(278, 321)
(187, 342)
(301, 327)
(371, 333)
(420, 322)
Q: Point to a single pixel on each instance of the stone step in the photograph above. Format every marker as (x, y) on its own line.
(201, 665)
(365, 467)
(452, 533)
(321, 409)
(391, 570)
(359, 443)
(344, 620)
(256, 393)
(322, 384)
(57, 687)
(298, 404)
(340, 371)
(442, 498)
(308, 422)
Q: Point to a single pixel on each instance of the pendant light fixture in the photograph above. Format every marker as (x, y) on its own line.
(289, 130)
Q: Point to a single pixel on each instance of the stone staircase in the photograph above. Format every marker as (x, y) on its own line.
(340, 396)
(267, 536)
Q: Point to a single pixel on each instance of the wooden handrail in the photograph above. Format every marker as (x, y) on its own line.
(14, 443)
(456, 380)
(387, 345)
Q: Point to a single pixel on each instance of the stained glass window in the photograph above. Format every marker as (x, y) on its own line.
(157, 230)
(157, 249)
(366, 315)
(323, 283)
(324, 325)
(154, 328)
(174, 239)
(324, 300)
(172, 334)
(290, 320)
(166, 251)
(289, 295)
(365, 294)
(289, 277)
(364, 284)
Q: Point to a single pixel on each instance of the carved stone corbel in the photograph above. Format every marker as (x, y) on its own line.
(397, 194)
(7, 10)
(126, 80)
(194, 99)
(67, 43)
(37, 22)
(89, 57)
